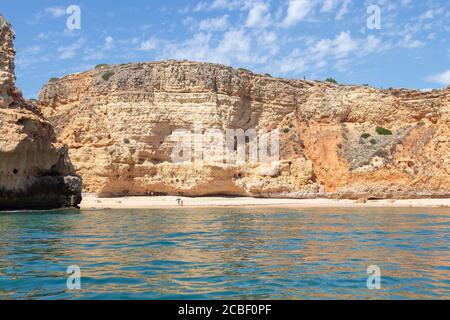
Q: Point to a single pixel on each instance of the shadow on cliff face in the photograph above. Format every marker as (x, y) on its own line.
(35, 170)
(58, 192)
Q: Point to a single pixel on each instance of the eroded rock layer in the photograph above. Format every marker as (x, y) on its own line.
(35, 171)
(336, 141)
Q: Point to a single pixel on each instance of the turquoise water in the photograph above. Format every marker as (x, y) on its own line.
(226, 253)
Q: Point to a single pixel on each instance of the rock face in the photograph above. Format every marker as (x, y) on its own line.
(35, 172)
(119, 123)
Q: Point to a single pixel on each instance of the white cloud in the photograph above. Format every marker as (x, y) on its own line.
(291, 37)
(432, 13)
(33, 49)
(197, 48)
(344, 44)
(149, 45)
(214, 24)
(429, 14)
(56, 12)
(344, 10)
(236, 43)
(99, 52)
(441, 78)
(409, 43)
(31, 55)
(93, 54)
(339, 51)
(297, 11)
(406, 3)
(235, 47)
(199, 7)
(338, 47)
(268, 39)
(70, 51)
(329, 5)
(374, 44)
(43, 36)
(215, 5)
(50, 12)
(294, 63)
(258, 15)
(342, 65)
(109, 42)
(227, 4)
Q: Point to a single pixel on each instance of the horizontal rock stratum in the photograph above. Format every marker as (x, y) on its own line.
(35, 171)
(336, 141)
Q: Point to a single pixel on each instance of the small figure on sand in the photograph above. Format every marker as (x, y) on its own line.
(180, 202)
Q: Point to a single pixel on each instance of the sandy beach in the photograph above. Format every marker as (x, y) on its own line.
(93, 202)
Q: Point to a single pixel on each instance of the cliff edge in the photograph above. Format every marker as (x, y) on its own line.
(35, 171)
(335, 141)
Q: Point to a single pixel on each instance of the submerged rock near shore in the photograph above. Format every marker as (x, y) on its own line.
(336, 141)
(35, 171)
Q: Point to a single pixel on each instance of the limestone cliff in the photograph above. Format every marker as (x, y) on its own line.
(35, 172)
(336, 141)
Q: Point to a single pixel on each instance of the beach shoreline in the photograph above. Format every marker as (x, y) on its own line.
(92, 202)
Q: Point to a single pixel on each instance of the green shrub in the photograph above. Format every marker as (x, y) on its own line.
(54, 79)
(383, 132)
(244, 70)
(126, 141)
(101, 65)
(268, 75)
(331, 80)
(373, 141)
(107, 75)
(286, 130)
(365, 136)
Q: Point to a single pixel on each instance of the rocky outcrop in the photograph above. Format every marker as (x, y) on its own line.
(35, 171)
(335, 141)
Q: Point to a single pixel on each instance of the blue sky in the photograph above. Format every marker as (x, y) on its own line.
(315, 39)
